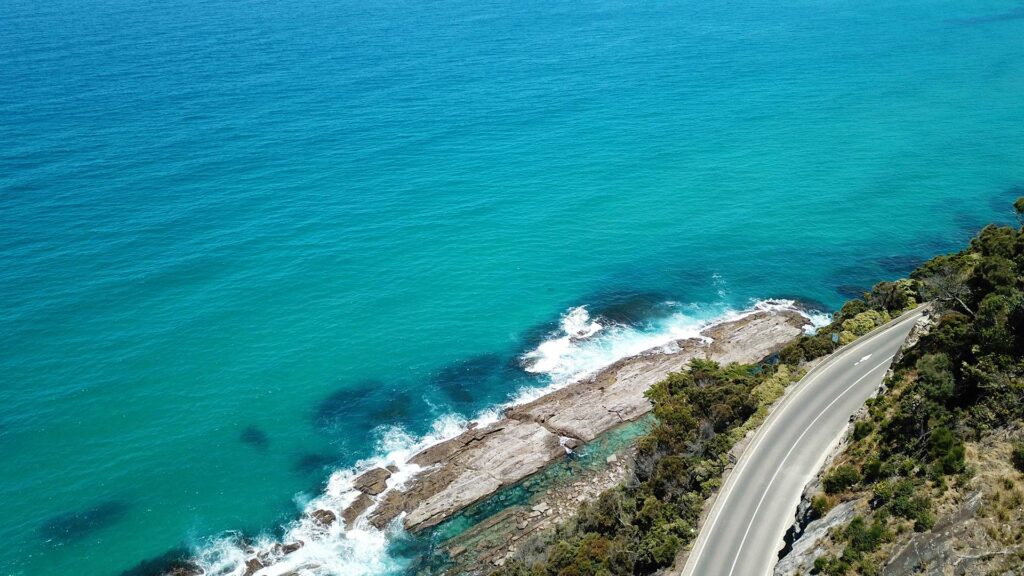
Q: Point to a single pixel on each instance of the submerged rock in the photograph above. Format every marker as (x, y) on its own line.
(254, 436)
(81, 523)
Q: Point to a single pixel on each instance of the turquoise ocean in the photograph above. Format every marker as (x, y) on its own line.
(247, 244)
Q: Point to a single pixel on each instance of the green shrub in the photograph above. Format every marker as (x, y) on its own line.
(840, 478)
(819, 506)
(817, 346)
(792, 354)
(865, 322)
(872, 469)
(851, 308)
(828, 566)
(861, 429)
(893, 297)
(947, 451)
(924, 520)
(863, 538)
(1017, 453)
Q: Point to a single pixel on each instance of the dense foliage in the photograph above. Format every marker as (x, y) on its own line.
(961, 381)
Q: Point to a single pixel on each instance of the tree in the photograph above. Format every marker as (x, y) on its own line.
(1018, 208)
(947, 285)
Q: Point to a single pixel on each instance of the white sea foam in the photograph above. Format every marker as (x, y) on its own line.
(580, 347)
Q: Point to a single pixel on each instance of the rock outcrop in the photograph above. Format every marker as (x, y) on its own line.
(373, 481)
(806, 550)
(467, 468)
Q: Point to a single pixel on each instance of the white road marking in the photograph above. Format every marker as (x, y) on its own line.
(791, 448)
(861, 360)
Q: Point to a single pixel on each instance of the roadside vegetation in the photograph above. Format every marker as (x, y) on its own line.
(960, 386)
(962, 381)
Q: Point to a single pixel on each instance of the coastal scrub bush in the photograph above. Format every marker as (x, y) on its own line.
(829, 566)
(862, 537)
(861, 429)
(893, 297)
(947, 451)
(851, 309)
(791, 354)
(817, 346)
(840, 478)
(1017, 456)
(865, 322)
(819, 506)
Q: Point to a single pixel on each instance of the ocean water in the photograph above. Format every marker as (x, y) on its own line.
(246, 245)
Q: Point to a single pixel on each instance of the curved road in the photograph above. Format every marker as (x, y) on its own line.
(743, 533)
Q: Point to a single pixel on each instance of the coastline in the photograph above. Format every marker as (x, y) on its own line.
(443, 477)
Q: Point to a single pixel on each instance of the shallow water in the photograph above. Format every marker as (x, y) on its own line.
(242, 242)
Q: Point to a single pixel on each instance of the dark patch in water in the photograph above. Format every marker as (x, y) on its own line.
(533, 336)
(397, 408)
(968, 224)
(1002, 204)
(900, 265)
(1013, 14)
(254, 436)
(175, 559)
(309, 463)
(631, 308)
(459, 379)
(79, 524)
(850, 291)
(367, 404)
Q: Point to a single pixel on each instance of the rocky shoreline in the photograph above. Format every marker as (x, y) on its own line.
(458, 472)
(477, 463)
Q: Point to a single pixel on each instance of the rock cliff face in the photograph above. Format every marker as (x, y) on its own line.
(479, 462)
(800, 559)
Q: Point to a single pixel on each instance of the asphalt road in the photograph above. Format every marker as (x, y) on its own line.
(743, 533)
